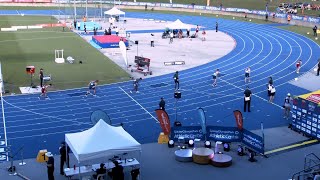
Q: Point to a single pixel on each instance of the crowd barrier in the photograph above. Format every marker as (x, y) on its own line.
(205, 8)
(310, 19)
(218, 133)
(25, 1)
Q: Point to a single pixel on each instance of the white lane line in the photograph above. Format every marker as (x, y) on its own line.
(139, 105)
(252, 93)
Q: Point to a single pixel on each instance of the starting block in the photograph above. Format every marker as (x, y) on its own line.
(41, 157)
(163, 139)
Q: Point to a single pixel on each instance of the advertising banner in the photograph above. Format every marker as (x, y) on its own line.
(203, 121)
(6, 1)
(223, 134)
(253, 141)
(239, 119)
(164, 121)
(188, 132)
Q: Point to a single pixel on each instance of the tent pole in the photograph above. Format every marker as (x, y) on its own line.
(67, 155)
(140, 177)
(79, 170)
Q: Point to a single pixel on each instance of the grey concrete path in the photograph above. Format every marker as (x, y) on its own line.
(158, 163)
(193, 52)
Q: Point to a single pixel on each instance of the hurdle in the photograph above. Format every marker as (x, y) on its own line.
(58, 54)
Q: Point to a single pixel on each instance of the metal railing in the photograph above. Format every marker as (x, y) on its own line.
(310, 160)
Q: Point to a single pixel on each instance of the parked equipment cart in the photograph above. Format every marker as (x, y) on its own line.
(142, 65)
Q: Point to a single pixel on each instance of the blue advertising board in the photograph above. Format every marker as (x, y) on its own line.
(223, 134)
(253, 141)
(188, 132)
(217, 133)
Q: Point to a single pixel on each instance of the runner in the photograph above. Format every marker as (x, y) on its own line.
(298, 66)
(136, 85)
(272, 90)
(247, 75)
(215, 77)
(92, 87)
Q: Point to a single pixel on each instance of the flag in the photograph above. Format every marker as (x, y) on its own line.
(203, 121)
(123, 50)
(239, 119)
(164, 121)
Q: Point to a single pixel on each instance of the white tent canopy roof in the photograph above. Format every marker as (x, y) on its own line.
(114, 11)
(101, 141)
(177, 25)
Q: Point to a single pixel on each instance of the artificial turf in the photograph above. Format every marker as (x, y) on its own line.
(36, 47)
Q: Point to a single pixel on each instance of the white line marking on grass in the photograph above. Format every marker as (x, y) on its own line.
(252, 93)
(4, 41)
(140, 105)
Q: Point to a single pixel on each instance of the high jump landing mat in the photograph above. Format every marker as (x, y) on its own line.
(109, 41)
(89, 26)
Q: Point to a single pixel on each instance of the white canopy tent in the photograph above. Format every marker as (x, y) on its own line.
(114, 11)
(101, 141)
(178, 25)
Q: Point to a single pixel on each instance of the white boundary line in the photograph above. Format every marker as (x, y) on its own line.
(140, 105)
(252, 93)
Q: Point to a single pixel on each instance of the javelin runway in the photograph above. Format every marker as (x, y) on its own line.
(269, 51)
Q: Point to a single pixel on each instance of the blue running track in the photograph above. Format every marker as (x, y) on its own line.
(269, 51)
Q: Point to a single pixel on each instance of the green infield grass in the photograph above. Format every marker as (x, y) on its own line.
(36, 47)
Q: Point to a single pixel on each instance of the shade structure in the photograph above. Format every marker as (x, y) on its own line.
(101, 141)
(178, 25)
(114, 11)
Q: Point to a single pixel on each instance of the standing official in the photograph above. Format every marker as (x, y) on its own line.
(176, 80)
(64, 156)
(41, 77)
(315, 31)
(318, 70)
(217, 26)
(162, 104)
(247, 99)
(50, 165)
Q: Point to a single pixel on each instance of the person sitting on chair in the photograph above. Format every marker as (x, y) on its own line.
(101, 170)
